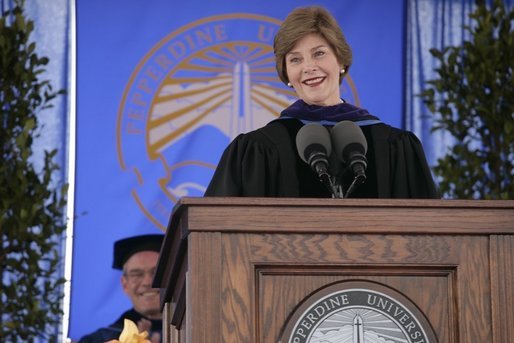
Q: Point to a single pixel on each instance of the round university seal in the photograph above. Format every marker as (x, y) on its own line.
(192, 93)
(357, 312)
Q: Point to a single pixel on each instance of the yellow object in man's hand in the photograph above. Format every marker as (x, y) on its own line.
(130, 334)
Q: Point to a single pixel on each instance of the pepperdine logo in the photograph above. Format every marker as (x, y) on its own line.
(192, 93)
(358, 312)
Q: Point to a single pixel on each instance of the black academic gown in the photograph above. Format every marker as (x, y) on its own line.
(114, 330)
(265, 163)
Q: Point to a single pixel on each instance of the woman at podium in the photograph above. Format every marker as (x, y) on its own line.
(321, 145)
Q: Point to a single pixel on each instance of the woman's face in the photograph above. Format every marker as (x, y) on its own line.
(313, 70)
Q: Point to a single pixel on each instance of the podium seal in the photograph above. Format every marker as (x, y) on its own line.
(357, 312)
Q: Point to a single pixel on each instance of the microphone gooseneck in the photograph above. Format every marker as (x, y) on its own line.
(314, 146)
(351, 146)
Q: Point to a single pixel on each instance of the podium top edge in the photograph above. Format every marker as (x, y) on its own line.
(314, 202)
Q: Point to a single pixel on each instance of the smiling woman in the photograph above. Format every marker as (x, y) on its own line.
(314, 71)
(312, 56)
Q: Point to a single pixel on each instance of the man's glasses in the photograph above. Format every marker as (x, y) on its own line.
(137, 275)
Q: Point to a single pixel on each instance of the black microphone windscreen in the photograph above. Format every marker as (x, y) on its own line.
(348, 137)
(313, 137)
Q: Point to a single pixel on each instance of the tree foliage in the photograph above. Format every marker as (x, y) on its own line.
(32, 218)
(473, 100)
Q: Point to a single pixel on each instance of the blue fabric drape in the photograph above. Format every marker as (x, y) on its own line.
(53, 41)
(430, 24)
(52, 36)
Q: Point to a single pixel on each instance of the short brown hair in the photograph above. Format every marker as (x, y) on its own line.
(303, 21)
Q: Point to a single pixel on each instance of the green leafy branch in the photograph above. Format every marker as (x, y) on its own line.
(473, 100)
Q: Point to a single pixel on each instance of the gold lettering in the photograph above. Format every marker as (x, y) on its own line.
(190, 41)
(137, 99)
(153, 74)
(163, 61)
(133, 130)
(135, 115)
(143, 85)
(265, 34)
(203, 36)
(177, 49)
(220, 33)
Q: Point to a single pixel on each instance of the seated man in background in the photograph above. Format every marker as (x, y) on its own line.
(137, 257)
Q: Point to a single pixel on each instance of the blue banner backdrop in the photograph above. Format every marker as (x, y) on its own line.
(162, 89)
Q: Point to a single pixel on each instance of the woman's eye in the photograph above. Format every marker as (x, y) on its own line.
(319, 53)
(294, 60)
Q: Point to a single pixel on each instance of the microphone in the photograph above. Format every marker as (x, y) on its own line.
(350, 146)
(314, 147)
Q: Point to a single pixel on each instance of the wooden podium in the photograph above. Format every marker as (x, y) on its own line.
(237, 269)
